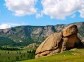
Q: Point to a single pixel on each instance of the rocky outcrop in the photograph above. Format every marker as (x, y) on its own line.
(49, 45)
(70, 35)
(58, 42)
(70, 30)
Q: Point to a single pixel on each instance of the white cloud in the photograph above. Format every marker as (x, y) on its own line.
(9, 25)
(62, 8)
(4, 26)
(21, 7)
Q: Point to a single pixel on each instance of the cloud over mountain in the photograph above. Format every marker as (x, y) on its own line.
(4, 26)
(21, 7)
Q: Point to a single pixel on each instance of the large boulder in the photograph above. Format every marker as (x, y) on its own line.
(50, 44)
(70, 37)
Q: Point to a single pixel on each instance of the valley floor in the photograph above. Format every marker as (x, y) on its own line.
(15, 55)
(74, 55)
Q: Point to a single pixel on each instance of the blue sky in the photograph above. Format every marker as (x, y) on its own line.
(43, 12)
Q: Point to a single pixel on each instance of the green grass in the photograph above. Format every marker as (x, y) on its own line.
(74, 55)
(16, 55)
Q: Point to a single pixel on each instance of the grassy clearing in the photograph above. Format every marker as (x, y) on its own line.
(16, 55)
(74, 55)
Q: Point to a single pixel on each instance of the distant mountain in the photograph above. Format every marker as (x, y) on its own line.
(24, 35)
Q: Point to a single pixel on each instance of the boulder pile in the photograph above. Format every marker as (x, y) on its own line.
(59, 42)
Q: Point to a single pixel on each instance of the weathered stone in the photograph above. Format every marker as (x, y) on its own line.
(50, 44)
(59, 42)
(70, 30)
(70, 41)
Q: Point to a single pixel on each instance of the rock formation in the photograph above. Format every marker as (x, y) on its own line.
(58, 42)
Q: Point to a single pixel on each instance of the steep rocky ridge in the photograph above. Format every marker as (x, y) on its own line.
(24, 35)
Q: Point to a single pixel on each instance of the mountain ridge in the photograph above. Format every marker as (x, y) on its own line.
(24, 35)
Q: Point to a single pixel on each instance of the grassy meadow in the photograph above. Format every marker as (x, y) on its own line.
(13, 56)
(28, 55)
(74, 55)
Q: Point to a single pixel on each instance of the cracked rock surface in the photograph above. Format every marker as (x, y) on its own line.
(59, 42)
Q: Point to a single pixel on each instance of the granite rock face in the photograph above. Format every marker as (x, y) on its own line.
(70, 30)
(49, 45)
(59, 42)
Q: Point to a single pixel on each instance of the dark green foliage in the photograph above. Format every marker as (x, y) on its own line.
(6, 41)
(8, 52)
(9, 48)
(81, 31)
(8, 58)
(17, 58)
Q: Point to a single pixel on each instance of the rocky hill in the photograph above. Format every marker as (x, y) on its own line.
(24, 35)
